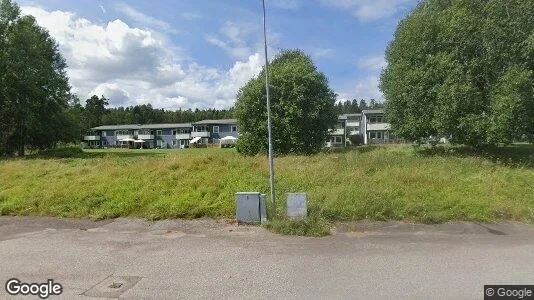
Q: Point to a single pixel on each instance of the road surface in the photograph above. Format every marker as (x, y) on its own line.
(136, 259)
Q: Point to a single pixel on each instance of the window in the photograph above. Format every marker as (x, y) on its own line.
(372, 135)
(379, 135)
(337, 140)
(174, 132)
(104, 143)
(158, 132)
(184, 130)
(104, 133)
(233, 129)
(215, 129)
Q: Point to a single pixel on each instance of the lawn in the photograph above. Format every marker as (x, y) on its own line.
(377, 183)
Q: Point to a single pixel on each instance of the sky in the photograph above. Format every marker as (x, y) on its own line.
(197, 53)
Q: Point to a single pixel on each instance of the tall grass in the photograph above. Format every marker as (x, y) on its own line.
(377, 183)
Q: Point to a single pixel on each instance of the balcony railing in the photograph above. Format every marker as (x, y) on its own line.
(353, 123)
(378, 126)
(145, 136)
(337, 132)
(124, 136)
(91, 138)
(200, 134)
(183, 136)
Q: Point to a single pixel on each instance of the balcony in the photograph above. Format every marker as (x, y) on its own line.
(91, 138)
(340, 131)
(124, 136)
(354, 132)
(183, 136)
(200, 134)
(353, 124)
(378, 126)
(145, 136)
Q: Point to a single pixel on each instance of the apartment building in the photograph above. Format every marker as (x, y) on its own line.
(176, 136)
(368, 127)
(212, 131)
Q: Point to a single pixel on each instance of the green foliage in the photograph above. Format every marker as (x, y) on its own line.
(311, 226)
(356, 139)
(353, 107)
(302, 107)
(462, 69)
(34, 89)
(145, 113)
(512, 104)
(95, 108)
(63, 152)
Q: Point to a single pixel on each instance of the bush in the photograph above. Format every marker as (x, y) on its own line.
(66, 152)
(356, 139)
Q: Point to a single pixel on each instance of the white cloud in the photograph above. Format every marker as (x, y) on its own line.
(322, 52)
(144, 19)
(190, 16)
(373, 63)
(136, 66)
(234, 39)
(371, 10)
(286, 4)
(364, 88)
(367, 88)
(112, 91)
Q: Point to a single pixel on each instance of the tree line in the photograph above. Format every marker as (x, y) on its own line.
(463, 69)
(354, 106)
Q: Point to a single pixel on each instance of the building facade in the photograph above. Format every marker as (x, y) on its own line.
(369, 127)
(176, 136)
(212, 131)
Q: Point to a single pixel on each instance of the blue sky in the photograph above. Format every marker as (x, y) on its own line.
(197, 53)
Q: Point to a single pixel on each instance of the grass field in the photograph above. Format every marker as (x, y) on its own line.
(377, 183)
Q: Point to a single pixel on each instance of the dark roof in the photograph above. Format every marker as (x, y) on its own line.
(208, 122)
(157, 126)
(347, 116)
(141, 126)
(373, 111)
(116, 127)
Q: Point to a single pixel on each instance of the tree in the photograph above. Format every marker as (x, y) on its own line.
(34, 88)
(362, 105)
(75, 115)
(462, 69)
(302, 107)
(95, 108)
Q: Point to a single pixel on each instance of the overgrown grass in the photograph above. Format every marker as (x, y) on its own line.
(376, 183)
(311, 226)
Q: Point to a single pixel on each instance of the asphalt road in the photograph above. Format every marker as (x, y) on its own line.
(135, 259)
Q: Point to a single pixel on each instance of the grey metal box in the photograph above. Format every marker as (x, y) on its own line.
(248, 207)
(296, 205)
(263, 209)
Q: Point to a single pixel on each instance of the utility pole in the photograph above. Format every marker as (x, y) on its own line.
(269, 124)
